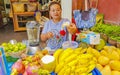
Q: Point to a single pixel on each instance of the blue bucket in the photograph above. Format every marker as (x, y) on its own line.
(3, 63)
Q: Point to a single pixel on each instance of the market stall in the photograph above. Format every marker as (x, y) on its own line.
(95, 51)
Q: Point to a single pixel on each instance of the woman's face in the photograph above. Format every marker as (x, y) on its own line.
(55, 11)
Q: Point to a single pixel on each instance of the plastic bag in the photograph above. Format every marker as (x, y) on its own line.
(86, 19)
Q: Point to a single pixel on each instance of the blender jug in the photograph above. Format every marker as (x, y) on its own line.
(33, 31)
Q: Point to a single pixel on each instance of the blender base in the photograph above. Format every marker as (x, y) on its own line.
(32, 49)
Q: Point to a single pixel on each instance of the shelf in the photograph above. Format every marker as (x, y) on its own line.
(26, 20)
(25, 13)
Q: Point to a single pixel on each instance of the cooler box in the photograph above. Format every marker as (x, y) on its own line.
(90, 38)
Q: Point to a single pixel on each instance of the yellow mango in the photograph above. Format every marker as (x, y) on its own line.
(104, 53)
(114, 55)
(103, 60)
(115, 65)
(118, 51)
(106, 70)
(115, 73)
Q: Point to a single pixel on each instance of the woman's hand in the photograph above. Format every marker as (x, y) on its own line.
(72, 28)
(45, 37)
(49, 35)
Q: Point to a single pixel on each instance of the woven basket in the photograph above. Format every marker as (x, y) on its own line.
(18, 54)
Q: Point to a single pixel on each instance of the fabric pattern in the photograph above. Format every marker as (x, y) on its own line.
(85, 23)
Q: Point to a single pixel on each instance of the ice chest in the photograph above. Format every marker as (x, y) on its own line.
(90, 37)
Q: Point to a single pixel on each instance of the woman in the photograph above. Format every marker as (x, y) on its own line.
(51, 33)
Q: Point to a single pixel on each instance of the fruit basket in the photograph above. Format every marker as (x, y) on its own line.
(112, 42)
(14, 49)
(17, 54)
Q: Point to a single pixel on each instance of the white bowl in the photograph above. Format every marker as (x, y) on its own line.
(69, 44)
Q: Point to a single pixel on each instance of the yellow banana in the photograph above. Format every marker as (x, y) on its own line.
(70, 58)
(89, 50)
(90, 68)
(90, 74)
(59, 67)
(83, 50)
(84, 74)
(62, 71)
(83, 61)
(67, 71)
(81, 70)
(73, 69)
(72, 73)
(96, 53)
(65, 51)
(65, 55)
(72, 63)
(57, 54)
(78, 49)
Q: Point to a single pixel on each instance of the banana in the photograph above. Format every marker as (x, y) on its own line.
(90, 68)
(96, 53)
(67, 71)
(81, 70)
(62, 71)
(65, 51)
(65, 54)
(57, 54)
(78, 50)
(89, 50)
(83, 61)
(70, 58)
(90, 74)
(72, 63)
(59, 67)
(83, 50)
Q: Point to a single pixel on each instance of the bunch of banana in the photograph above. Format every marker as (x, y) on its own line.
(74, 62)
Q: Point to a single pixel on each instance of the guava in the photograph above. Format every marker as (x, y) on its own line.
(100, 45)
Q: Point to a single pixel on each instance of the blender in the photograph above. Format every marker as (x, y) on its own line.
(33, 33)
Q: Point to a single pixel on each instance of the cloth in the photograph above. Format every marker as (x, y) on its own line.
(55, 42)
(86, 19)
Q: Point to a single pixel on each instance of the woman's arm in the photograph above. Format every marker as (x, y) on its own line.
(46, 36)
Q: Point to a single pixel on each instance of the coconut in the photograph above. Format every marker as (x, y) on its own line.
(48, 63)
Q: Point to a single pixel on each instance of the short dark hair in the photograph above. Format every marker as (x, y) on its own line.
(54, 2)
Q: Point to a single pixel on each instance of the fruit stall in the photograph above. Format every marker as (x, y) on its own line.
(83, 59)
(95, 52)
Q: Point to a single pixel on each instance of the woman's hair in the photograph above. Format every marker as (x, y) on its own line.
(54, 2)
